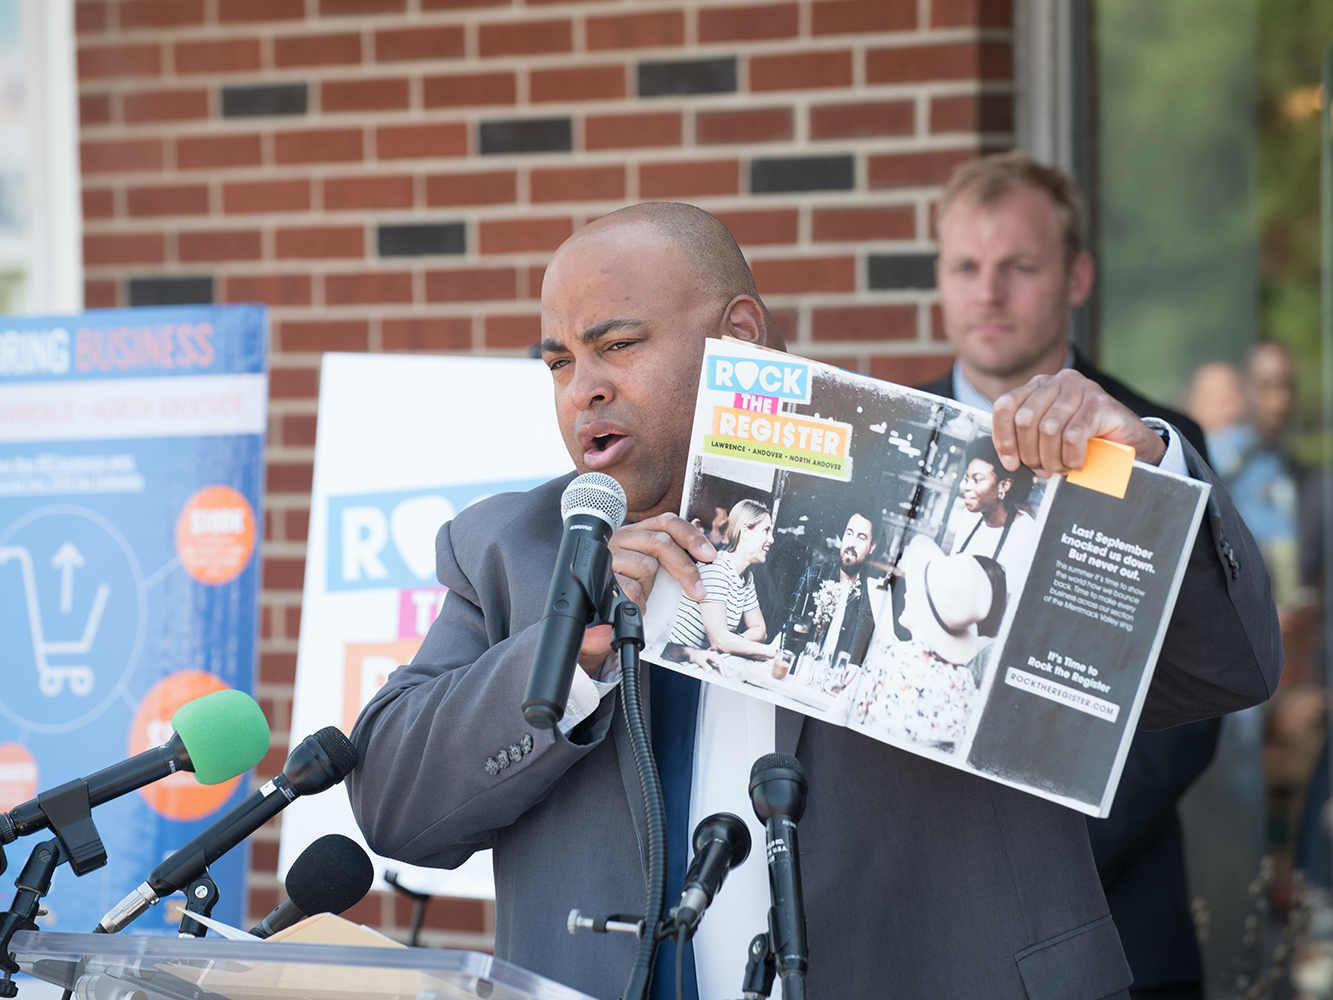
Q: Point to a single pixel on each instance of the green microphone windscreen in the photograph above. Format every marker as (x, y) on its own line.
(225, 734)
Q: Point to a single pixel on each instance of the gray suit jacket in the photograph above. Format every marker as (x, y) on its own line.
(920, 880)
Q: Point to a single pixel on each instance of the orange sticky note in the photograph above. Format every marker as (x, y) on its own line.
(1106, 469)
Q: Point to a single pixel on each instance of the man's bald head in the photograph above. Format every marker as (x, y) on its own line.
(704, 245)
(707, 247)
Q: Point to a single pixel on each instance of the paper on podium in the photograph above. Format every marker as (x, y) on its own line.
(329, 928)
(337, 981)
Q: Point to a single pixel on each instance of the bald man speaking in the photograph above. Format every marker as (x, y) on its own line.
(919, 880)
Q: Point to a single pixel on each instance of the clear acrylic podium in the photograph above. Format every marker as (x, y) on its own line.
(129, 967)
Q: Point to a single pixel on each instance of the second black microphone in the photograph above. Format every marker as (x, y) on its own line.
(318, 762)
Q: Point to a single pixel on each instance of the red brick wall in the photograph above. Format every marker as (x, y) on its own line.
(392, 175)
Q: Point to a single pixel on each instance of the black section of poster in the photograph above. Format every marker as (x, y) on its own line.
(1084, 628)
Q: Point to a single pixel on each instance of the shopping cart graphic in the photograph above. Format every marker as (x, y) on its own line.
(51, 679)
(72, 613)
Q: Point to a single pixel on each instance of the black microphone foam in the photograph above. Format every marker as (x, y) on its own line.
(778, 786)
(341, 750)
(768, 761)
(331, 875)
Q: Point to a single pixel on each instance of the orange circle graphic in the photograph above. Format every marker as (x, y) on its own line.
(177, 796)
(18, 775)
(215, 535)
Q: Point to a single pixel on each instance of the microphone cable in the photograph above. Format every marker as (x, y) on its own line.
(631, 701)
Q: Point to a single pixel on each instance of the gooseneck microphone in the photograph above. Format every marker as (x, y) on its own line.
(721, 842)
(593, 507)
(317, 763)
(218, 736)
(331, 875)
(777, 791)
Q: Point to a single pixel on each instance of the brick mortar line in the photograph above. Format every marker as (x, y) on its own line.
(272, 691)
(208, 225)
(277, 646)
(882, 297)
(289, 454)
(909, 142)
(268, 33)
(286, 407)
(577, 13)
(882, 349)
(349, 310)
(278, 592)
(279, 694)
(285, 550)
(778, 200)
(664, 102)
(277, 600)
(280, 502)
(578, 113)
(348, 267)
(370, 170)
(457, 309)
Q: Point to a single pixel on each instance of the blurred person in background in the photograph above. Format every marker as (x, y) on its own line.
(1259, 474)
(1011, 270)
(1246, 415)
(1216, 398)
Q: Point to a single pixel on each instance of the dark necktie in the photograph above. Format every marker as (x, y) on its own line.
(675, 707)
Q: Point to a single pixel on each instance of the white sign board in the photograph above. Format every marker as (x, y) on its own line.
(404, 443)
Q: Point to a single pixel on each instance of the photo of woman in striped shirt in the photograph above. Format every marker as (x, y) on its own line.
(729, 620)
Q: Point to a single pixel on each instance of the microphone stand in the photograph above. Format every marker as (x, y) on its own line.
(594, 577)
(419, 901)
(33, 883)
(68, 811)
(201, 896)
(627, 640)
(760, 969)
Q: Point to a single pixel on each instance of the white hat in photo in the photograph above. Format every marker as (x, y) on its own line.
(946, 597)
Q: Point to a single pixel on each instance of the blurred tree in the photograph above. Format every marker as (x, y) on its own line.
(1178, 251)
(1292, 35)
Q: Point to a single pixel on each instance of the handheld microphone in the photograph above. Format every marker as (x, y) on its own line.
(316, 763)
(721, 843)
(777, 791)
(593, 506)
(218, 736)
(331, 875)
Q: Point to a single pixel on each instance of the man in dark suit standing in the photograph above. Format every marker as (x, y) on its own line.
(1011, 270)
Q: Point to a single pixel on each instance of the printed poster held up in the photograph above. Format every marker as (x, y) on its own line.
(879, 569)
